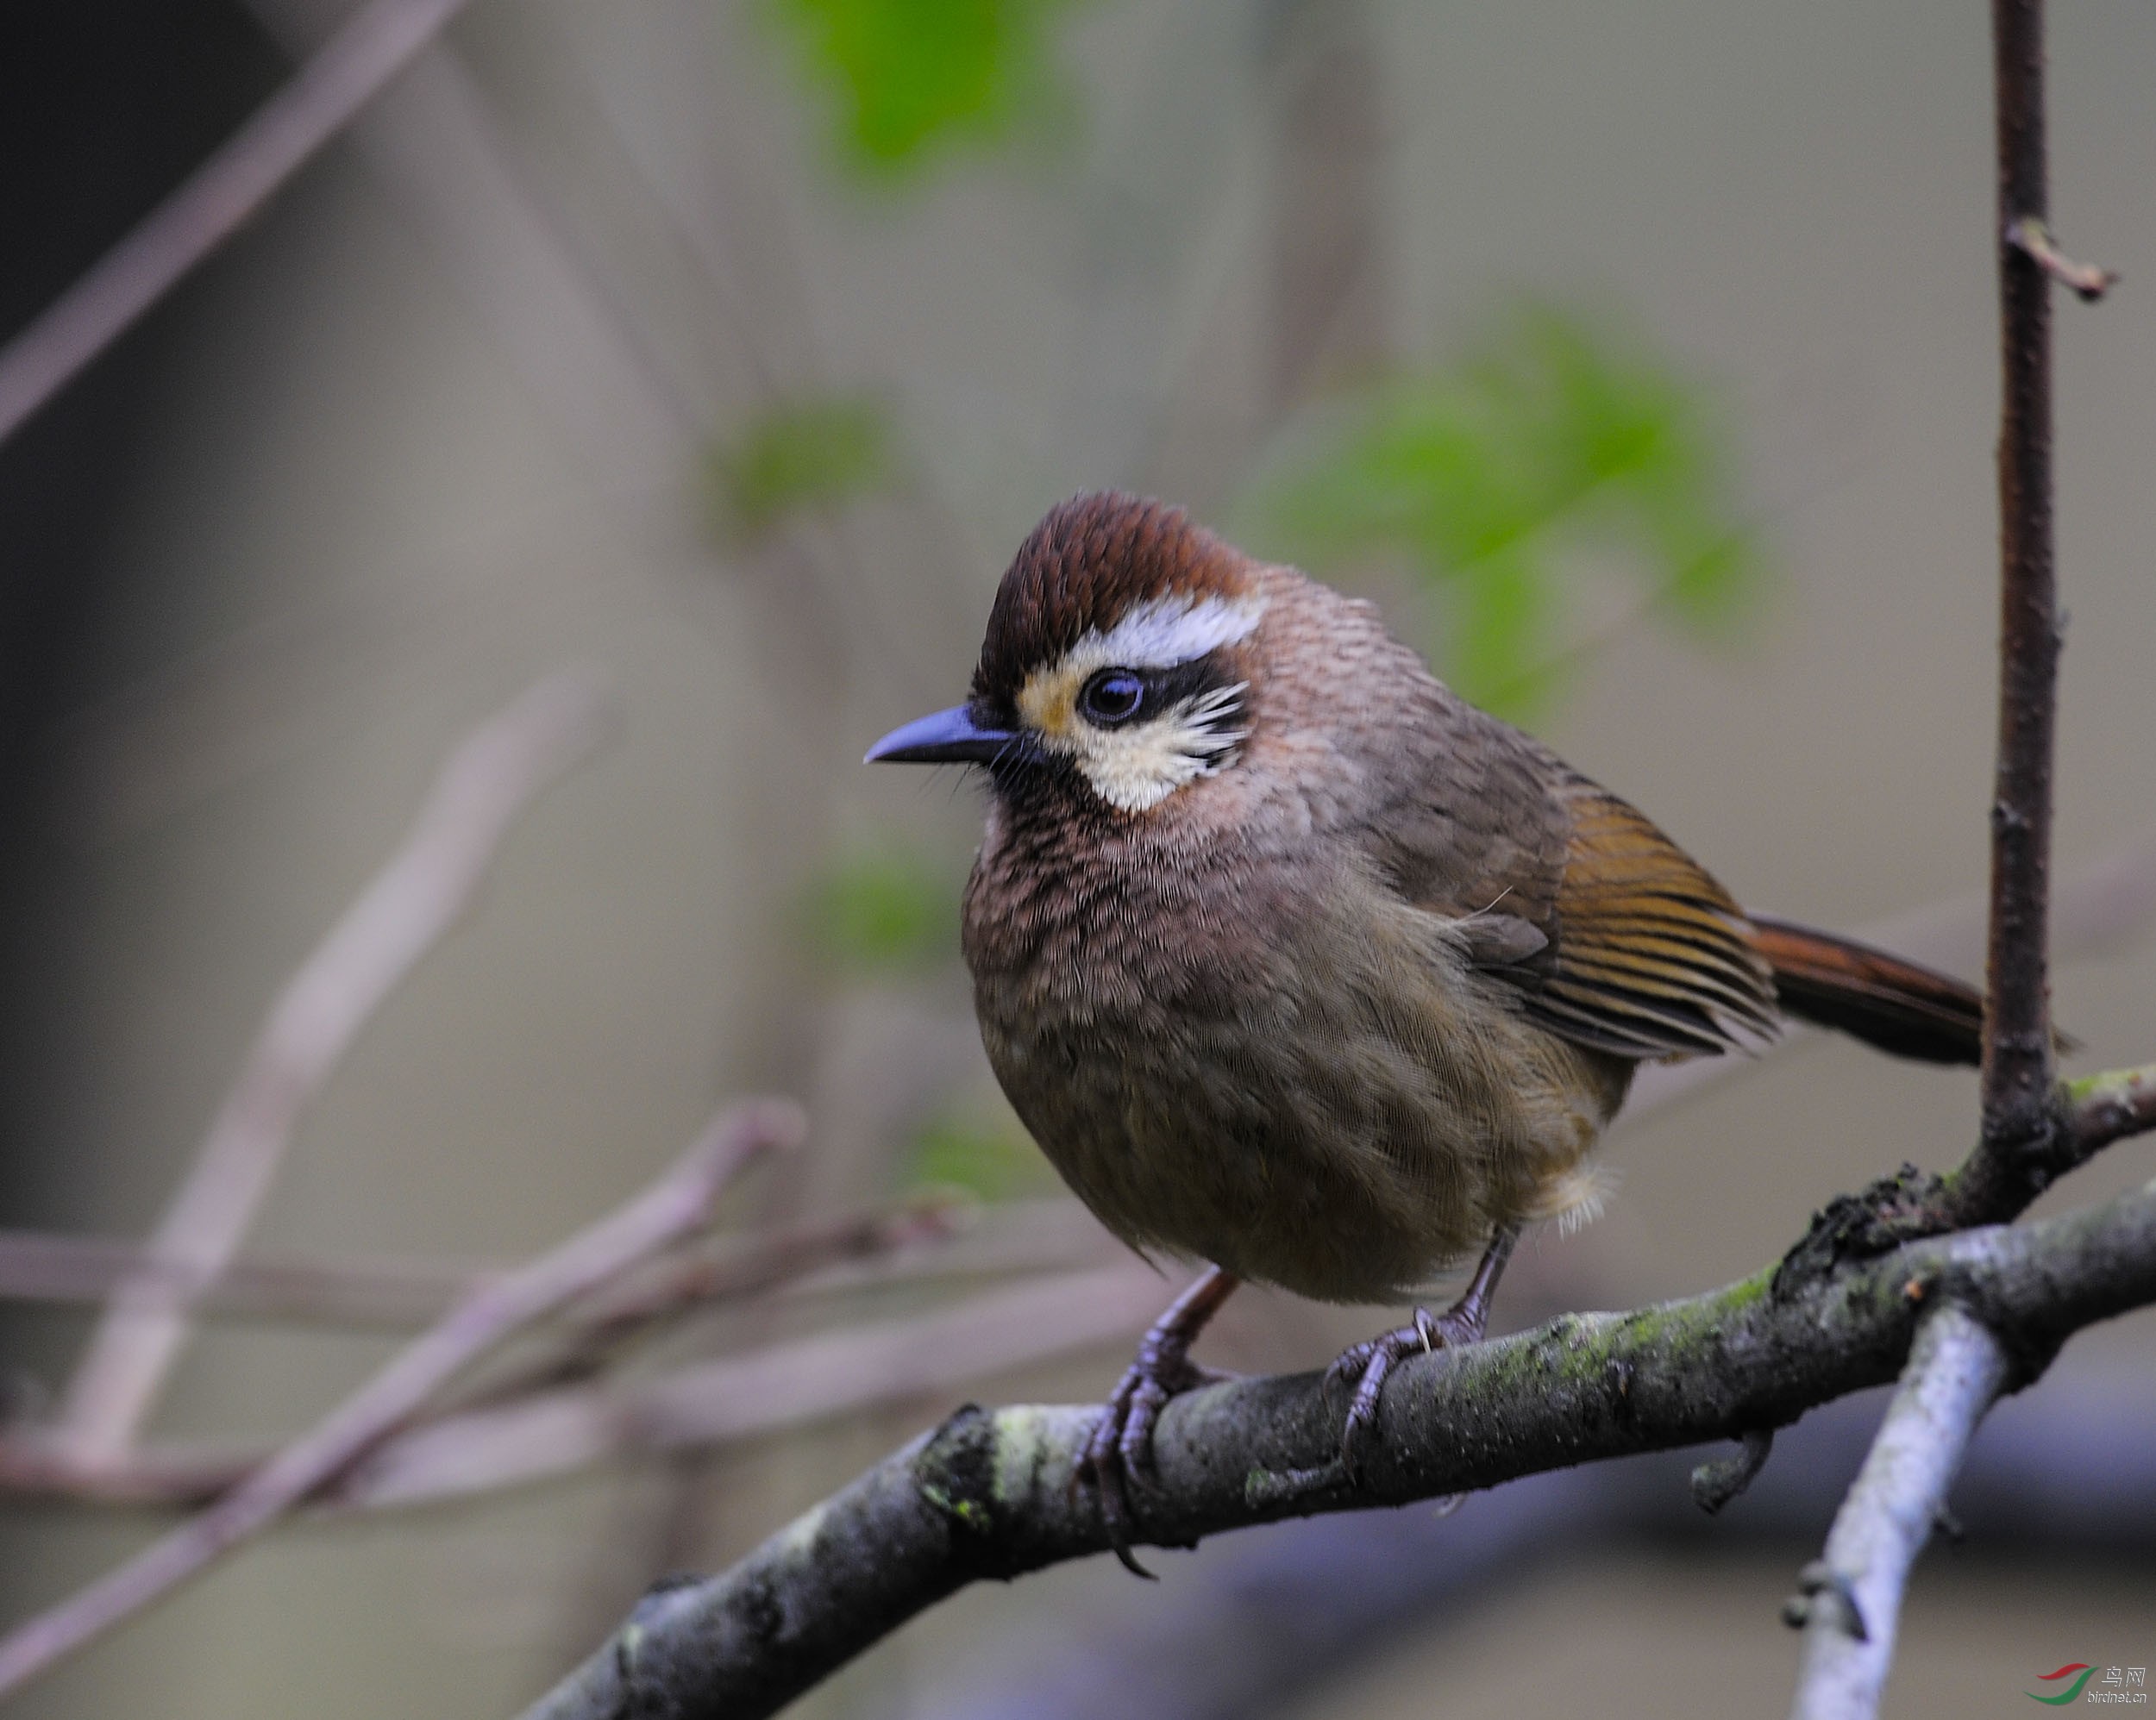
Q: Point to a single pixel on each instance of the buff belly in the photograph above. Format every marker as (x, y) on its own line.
(1350, 1122)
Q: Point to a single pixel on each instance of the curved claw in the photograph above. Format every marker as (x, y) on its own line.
(1373, 1360)
(1381, 1354)
(1119, 1451)
(1350, 1362)
(1462, 1324)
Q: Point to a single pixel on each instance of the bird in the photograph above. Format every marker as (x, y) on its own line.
(1298, 965)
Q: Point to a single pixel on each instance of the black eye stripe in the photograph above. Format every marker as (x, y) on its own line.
(1112, 697)
(1182, 681)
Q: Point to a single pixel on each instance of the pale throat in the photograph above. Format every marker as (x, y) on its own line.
(1137, 765)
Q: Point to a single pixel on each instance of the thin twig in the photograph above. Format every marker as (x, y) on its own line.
(677, 1204)
(2089, 280)
(2017, 1031)
(1717, 1484)
(758, 1265)
(698, 1407)
(1852, 1602)
(928, 1241)
(400, 1295)
(280, 139)
(765, 1391)
(2102, 1109)
(412, 902)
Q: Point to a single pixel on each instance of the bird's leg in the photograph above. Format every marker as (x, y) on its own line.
(1371, 1363)
(1122, 1442)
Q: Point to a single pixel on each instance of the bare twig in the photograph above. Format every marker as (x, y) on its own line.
(1851, 1599)
(758, 1265)
(2017, 1033)
(412, 902)
(2089, 280)
(746, 1396)
(282, 135)
(2102, 1109)
(677, 1204)
(1715, 1483)
(697, 1407)
(401, 1295)
(930, 1241)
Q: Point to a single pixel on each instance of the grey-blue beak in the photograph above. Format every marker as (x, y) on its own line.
(949, 737)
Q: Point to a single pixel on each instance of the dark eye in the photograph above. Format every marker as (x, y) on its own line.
(1114, 695)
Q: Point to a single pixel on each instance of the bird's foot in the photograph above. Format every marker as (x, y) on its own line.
(1370, 1363)
(1119, 1455)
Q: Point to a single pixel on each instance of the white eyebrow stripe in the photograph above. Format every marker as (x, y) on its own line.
(1162, 631)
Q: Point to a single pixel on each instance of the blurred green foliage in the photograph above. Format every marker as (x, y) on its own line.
(989, 1158)
(803, 456)
(876, 911)
(908, 79)
(1549, 441)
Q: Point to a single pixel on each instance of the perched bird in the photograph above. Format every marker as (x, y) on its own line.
(1297, 964)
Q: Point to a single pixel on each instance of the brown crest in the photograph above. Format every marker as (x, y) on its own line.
(1084, 566)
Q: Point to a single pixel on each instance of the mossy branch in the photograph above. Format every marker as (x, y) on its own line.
(994, 1494)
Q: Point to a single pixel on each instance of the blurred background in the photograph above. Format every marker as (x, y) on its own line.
(1639, 360)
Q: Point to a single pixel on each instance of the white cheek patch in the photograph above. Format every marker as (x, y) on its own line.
(1137, 766)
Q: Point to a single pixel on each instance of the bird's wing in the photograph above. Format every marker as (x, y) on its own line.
(1615, 937)
(1652, 957)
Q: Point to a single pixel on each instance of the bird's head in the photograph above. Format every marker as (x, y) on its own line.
(1119, 662)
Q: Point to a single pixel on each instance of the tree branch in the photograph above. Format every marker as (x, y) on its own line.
(2017, 1032)
(1258, 1624)
(404, 911)
(678, 1203)
(995, 1495)
(277, 140)
(1852, 1602)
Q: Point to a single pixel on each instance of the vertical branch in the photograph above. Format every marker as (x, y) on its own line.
(2017, 1050)
(2025, 1140)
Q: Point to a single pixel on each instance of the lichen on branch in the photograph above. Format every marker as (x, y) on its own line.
(992, 1494)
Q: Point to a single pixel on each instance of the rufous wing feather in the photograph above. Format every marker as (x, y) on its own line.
(1652, 957)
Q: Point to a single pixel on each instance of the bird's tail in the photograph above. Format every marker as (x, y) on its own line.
(1896, 1005)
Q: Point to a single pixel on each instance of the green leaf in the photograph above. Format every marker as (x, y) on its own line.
(800, 457)
(883, 909)
(909, 79)
(1548, 445)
